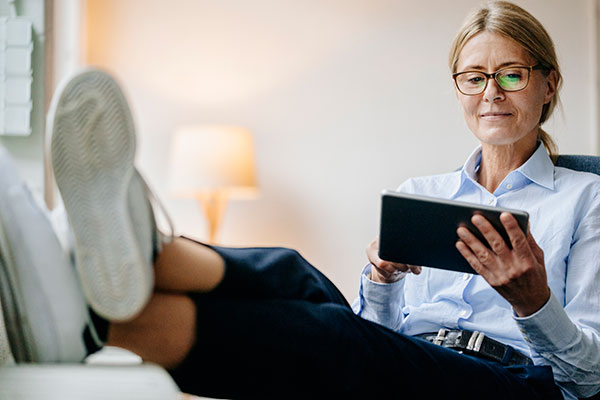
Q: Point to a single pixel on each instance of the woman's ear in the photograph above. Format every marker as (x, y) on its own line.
(551, 84)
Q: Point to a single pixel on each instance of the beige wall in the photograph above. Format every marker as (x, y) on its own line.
(345, 98)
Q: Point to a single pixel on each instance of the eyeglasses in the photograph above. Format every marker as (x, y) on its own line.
(510, 79)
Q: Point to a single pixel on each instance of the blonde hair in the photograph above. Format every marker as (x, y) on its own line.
(510, 20)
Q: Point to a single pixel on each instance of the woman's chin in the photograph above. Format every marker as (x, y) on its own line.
(503, 137)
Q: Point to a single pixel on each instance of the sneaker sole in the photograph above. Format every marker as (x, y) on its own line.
(93, 149)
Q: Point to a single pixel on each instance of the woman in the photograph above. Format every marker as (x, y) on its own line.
(264, 323)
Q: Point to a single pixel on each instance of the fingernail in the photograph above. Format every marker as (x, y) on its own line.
(506, 217)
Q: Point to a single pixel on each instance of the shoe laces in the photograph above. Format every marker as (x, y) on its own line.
(155, 201)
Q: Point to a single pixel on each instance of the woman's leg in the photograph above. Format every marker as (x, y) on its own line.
(266, 273)
(187, 266)
(163, 333)
(261, 347)
(272, 348)
(184, 266)
(264, 323)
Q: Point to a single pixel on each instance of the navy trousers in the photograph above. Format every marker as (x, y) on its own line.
(278, 328)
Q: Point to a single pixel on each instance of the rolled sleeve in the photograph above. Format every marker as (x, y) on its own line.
(379, 302)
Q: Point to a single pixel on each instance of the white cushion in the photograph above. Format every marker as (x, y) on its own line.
(52, 309)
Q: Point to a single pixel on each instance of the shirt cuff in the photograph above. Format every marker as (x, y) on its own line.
(549, 329)
(382, 294)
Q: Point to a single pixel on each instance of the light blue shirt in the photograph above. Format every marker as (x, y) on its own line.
(564, 210)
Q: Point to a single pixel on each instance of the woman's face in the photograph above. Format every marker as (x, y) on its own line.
(497, 117)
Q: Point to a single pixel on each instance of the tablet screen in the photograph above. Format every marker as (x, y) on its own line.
(421, 230)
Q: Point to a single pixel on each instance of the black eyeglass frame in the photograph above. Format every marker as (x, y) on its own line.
(494, 75)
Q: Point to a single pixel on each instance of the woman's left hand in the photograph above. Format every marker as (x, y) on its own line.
(518, 274)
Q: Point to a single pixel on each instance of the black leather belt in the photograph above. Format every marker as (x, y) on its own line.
(477, 344)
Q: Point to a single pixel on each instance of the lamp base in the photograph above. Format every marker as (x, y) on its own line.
(214, 205)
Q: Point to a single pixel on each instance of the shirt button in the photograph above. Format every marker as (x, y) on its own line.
(509, 186)
(490, 201)
(463, 313)
(466, 276)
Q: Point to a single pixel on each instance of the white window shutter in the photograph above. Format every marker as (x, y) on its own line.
(16, 48)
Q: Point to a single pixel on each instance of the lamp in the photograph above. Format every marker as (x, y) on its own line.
(212, 163)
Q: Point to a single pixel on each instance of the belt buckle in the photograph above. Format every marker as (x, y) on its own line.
(473, 345)
(475, 341)
(441, 337)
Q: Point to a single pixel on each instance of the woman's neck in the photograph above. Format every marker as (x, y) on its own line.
(498, 161)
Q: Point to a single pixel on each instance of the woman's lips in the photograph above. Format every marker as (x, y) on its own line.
(492, 116)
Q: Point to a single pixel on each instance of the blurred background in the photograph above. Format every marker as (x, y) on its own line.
(343, 98)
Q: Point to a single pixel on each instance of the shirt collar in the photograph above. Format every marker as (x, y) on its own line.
(467, 172)
(538, 168)
(472, 164)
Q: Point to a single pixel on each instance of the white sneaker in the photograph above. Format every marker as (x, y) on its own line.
(106, 200)
(44, 310)
(111, 355)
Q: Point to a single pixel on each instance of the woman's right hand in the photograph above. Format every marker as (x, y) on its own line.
(386, 271)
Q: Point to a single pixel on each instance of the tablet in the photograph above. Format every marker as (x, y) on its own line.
(421, 230)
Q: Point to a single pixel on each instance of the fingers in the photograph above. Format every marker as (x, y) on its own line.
(415, 269)
(387, 266)
(517, 237)
(520, 243)
(388, 270)
(537, 250)
(470, 257)
(391, 268)
(479, 256)
(394, 271)
(491, 235)
(384, 275)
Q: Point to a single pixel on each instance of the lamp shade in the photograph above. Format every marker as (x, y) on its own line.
(209, 159)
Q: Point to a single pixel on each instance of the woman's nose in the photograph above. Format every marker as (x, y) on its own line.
(493, 92)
